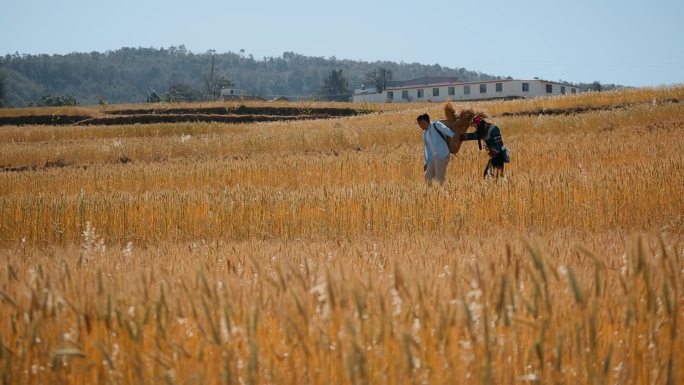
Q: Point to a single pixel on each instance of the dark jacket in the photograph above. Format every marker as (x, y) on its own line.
(492, 138)
(498, 153)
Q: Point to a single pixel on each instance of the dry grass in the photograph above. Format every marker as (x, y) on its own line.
(410, 310)
(312, 252)
(101, 110)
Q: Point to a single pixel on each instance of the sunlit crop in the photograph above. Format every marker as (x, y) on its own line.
(312, 252)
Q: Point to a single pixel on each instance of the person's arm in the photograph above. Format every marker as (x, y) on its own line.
(425, 152)
(468, 136)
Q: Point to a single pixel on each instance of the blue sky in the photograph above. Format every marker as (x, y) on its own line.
(629, 42)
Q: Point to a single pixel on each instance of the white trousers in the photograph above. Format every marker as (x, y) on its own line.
(436, 170)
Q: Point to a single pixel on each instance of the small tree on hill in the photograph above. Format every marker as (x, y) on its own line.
(153, 97)
(214, 88)
(380, 78)
(335, 87)
(58, 101)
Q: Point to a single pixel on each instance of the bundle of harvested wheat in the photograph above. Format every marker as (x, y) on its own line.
(458, 123)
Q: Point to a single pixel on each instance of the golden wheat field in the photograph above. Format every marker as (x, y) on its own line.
(313, 252)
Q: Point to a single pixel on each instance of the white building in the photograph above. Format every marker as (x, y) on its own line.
(439, 89)
(228, 93)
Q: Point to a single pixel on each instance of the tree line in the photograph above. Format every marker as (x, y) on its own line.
(131, 75)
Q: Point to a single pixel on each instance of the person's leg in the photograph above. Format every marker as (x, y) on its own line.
(485, 174)
(430, 172)
(440, 169)
(498, 165)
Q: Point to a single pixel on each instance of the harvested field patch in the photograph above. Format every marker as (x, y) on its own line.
(51, 120)
(180, 118)
(244, 110)
(241, 114)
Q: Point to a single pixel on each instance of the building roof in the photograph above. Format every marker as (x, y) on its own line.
(438, 81)
(424, 81)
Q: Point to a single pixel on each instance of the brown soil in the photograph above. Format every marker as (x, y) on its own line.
(243, 110)
(242, 114)
(50, 120)
(153, 118)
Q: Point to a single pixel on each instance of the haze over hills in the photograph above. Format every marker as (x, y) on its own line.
(129, 75)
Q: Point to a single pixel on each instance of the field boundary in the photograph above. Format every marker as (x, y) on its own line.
(242, 114)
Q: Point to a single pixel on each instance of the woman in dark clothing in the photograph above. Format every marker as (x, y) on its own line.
(491, 135)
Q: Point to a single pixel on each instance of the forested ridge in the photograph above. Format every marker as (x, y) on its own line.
(131, 75)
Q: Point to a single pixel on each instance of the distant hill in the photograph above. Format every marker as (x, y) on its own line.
(132, 75)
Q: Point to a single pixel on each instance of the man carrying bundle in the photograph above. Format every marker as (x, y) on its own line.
(435, 148)
(491, 135)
